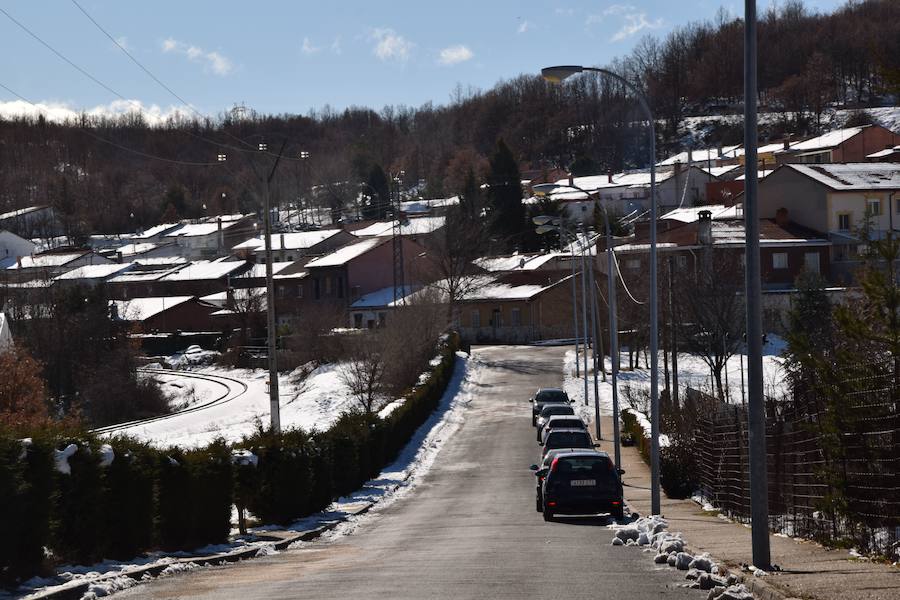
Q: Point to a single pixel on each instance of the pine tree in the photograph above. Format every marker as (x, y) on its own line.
(507, 213)
(378, 193)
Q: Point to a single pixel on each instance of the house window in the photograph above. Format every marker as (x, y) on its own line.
(780, 260)
(844, 221)
(328, 286)
(811, 262)
(299, 290)
(681, 261)
(873, 205)
(354, 293)
(382, 318)
(282, 291)
(516, 317)
(357, 320)
(476, 319)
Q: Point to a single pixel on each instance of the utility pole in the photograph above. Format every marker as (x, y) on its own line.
(399, 278)
(595, 325)
(674, 334)
(584, 319)
(759, 488)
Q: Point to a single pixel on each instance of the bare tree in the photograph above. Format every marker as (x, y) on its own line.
(363, 374)
(711, 308)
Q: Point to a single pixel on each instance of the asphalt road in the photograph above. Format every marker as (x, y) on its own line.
(469, 530)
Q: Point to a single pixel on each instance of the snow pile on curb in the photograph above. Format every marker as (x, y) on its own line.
(702, 572)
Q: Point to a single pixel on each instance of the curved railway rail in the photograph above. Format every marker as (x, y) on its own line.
(229, 383)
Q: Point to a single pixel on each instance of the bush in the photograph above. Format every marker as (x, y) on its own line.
(26, 486)
(78, 510)
(172, 508)
(128, 500)
(283, 476)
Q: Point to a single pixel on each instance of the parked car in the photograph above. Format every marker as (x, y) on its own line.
(567, 438)
(551, 410)
(546, 396)
(560, 422)
(541, 471)
(582, 482)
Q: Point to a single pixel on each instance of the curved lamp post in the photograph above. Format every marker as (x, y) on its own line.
(556, 75)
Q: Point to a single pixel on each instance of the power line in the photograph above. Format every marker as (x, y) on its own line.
(90, 133)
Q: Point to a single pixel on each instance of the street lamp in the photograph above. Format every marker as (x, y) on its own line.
(547, 188)
(556, 75)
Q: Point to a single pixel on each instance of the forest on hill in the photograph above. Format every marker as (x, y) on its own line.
(108, 175)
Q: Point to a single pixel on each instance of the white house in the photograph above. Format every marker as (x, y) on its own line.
(13, 246)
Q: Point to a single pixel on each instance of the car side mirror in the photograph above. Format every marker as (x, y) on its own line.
(540, 473)
(531, 399)
(533, 467)
(596, 444)
(621, 471)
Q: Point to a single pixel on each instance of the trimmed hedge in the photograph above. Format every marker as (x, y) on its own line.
(178, 499)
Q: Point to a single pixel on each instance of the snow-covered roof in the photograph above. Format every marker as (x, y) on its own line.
(760, 174)
(139, 248)
(700, 155)
(194, 230)
(21, 212)
(259, 270)
(220, 299)
(853, 176)
(149, 261)
(289, 241)
(345, 254)
(424, 206)
(94, 271)
(515, 262)
(593, 183)
(692, 213)
(885, 152)
(825, 141)
(719, 171)
(141, 309)
(136, 276)
(414, 226)
(54, 259)
(489, 288)
(383, 297)
(155, 231)
(205, 269)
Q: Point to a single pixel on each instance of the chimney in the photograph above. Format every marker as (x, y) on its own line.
(781, 217)
(719, 151)
(677, 167)
(282, 242)
(609, 176)
(786, 142)
(19, 261)
(219, 239)
(690, 155)
(704, 228)
(571, 179)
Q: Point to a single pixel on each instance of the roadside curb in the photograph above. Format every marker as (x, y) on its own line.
(76, 590)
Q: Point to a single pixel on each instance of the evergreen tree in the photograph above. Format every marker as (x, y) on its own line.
(507, 213)
(378, 193)
(470, 200)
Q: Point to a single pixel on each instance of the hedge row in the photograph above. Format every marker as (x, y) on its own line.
(177, 499)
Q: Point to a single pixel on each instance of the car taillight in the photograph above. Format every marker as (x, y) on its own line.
(551, 503)
(553, 465)
(615, 502)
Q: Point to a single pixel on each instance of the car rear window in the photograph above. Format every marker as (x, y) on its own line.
(557, 409)
(567, 423)
(568, 439)
(595, 467)
(552, 396)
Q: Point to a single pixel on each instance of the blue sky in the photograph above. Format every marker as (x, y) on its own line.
(290, 57)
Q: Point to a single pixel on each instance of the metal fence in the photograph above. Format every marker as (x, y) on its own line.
(833, 462)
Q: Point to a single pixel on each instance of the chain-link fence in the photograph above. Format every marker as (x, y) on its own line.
(833, 461)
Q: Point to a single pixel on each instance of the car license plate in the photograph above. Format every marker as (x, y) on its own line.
(583, 482)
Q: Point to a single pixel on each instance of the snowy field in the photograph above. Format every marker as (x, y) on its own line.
(692, 372)
(314, 403)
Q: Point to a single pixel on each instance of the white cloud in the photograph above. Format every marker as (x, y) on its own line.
(216, 62)
(635, 23)
(59, 112)
(524, 26)
(633, 20)
(455, 54)
(336, 45)
(308, 48)
(566, 12)
(389, 45)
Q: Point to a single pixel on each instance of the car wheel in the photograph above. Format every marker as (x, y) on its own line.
(548, 514)
(618, 513)
(533, 421)
(539, 503)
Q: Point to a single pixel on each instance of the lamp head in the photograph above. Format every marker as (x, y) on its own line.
(557, 74)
